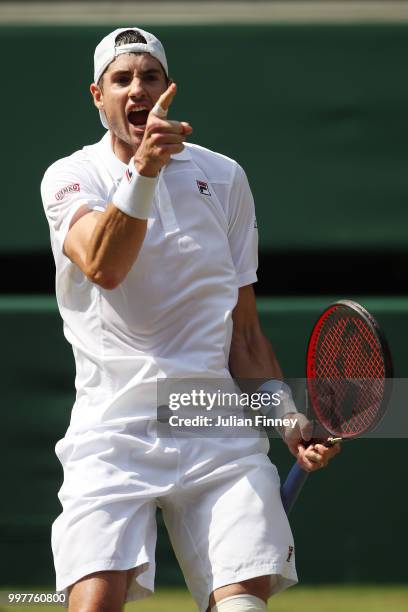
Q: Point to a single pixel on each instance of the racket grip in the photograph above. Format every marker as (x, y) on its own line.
(297, 477)
(293, 486)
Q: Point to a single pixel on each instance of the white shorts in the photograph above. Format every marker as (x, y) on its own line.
(220, 501)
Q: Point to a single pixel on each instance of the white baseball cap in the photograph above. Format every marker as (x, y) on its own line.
(106, 52)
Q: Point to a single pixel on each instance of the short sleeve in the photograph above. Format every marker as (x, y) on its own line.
(64, 189)
(242, 229)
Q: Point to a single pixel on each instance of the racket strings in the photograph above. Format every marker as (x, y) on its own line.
(348, 374)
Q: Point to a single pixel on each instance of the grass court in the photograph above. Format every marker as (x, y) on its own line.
(367, 598)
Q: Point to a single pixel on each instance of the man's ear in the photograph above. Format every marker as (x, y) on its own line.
(97, 95)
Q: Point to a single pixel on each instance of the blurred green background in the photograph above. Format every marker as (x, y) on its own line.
(316, 115)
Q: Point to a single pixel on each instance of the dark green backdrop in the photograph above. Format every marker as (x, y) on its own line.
(316, 115)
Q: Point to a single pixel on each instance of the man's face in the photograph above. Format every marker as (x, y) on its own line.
(130, 87)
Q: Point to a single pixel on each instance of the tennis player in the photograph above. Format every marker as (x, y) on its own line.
(155, 244)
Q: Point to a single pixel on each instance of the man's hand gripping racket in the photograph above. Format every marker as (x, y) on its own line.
(348, 367)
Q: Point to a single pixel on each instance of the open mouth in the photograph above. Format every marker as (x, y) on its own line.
(138, 118)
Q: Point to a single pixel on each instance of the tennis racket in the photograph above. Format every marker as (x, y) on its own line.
(348, 371)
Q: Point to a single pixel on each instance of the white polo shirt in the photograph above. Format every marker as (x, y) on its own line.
(171, 316)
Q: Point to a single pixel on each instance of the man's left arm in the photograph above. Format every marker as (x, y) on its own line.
(252, 357)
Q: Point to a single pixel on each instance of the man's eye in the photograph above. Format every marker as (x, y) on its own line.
(122, 80)
(151, 77)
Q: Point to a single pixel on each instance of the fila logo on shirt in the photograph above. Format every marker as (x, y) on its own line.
(203, 188)
(129, 175)
(290, 553)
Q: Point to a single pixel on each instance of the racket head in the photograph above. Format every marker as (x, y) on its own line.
(348, 370)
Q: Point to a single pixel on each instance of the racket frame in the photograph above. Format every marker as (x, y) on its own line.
(297, 477)
(361, 312)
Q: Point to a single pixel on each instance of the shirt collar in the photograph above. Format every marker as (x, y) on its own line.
(114, 163)
(183, 156)
(118, 166)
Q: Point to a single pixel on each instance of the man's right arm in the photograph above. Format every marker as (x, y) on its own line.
(104, 245)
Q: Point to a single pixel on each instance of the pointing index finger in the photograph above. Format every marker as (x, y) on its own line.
(162, 105)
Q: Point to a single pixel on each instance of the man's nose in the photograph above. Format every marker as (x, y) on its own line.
(136, 88)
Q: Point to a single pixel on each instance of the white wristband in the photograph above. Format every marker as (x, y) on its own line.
(134, 196)
(281, 389)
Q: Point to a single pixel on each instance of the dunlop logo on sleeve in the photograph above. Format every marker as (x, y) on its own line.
(66, 190)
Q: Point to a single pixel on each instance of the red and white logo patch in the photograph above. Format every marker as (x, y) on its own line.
(60, 195)
(203, 188)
